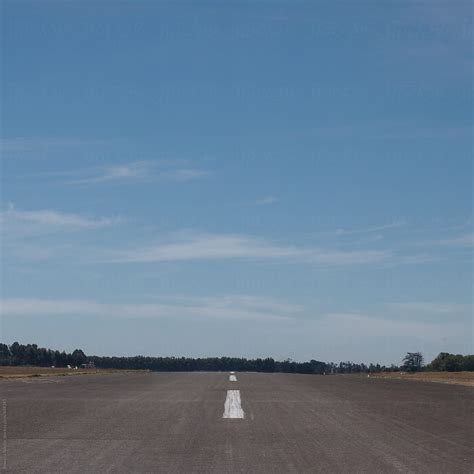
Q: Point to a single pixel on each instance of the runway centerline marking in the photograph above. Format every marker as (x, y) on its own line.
(232, 372)
(232, 405)
(232, 378)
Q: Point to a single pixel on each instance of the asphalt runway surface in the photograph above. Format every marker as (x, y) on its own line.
(275, 423)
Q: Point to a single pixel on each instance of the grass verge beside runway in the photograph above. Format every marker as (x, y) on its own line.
(14, 372)
(455, 378)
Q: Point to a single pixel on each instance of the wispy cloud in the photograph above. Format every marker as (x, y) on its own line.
(229, 246)
(223, 308)
(431, 308)
(265, 201)
(184, 174)
(35, 144)
(350, 325)
(369, 230)
(134, 170)
(45, 221)
(148, 170)
(369, 239)
(465, 240)
(265, 304)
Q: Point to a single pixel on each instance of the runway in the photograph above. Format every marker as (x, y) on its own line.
(249, 423)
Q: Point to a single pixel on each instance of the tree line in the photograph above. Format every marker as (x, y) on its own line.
(452, 362)
(31, 354)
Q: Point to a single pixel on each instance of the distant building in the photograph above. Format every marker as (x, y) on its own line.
(88, 365)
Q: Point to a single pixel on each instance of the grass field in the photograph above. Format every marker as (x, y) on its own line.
(457, 378)
(10, 372)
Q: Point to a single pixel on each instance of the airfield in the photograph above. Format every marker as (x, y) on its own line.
(221, 422)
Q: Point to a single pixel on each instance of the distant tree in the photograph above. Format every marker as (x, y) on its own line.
(318, 367)
(78, 357)
(413, 361)
(439, 363)
(468, 363)
(17, 354)
(5, 355)
(445, 361)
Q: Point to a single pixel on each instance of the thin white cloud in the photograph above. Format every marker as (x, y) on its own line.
(35, 144)
(465, 240)
(369, 239)
(265, 201)
(183, 174)
(256, 302)
(431, 308)
(355, 325)
(126, 171)
(412, 259)
(223, 308)
(16, 222)
(147, 170)
(229, 246)
(369, 230)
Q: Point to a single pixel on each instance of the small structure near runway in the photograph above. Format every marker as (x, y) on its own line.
(88, 365)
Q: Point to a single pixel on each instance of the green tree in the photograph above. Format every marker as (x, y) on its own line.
(5, 355)
(78, 357)
(439, 363)
(413, 361)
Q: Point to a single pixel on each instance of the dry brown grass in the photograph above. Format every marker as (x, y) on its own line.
(456, 378)
(11, 372)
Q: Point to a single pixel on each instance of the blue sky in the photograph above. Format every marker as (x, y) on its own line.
(251, 179)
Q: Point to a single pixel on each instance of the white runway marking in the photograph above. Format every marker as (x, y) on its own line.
(232, 407)
(232, 372)
(232, 378)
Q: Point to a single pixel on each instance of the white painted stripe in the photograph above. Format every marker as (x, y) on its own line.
(232, 378)
(232, 372)
(232, 407)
